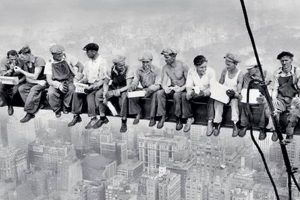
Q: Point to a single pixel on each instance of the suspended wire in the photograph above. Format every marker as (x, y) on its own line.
(270, 104)
(256, 144)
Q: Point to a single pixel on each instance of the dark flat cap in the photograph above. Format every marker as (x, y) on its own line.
(285, 53)
(25, 49)
(91, 46)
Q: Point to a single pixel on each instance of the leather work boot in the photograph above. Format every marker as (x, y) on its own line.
(217, 129)
(274, 137)
(58, 114)
(179, 124)
(123, 128)
(100, 122)
(152, 122)
(262, 134)
(210, 128)
(27, 117)
(235, 130)
(137, 119)
(91, 123)
(161, 122)
(188, 124)
(242, 131)
(10, 110)
(65, 110)
(75, 120)
(289, 138)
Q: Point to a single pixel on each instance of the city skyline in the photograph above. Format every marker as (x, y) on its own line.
(194, 165)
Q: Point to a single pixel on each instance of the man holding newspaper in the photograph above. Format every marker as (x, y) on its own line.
(148, 76)
(94, 73)
(121, 76)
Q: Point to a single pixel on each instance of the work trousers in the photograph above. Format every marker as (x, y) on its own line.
(120, 101)
(246, 116)
(187, 110)
(135, 108)
(77, 103)
(7, 93)
(178, 103)
(219, 110)
(31, 95)
(56, 98)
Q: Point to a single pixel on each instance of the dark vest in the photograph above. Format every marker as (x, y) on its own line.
(61, 71)
(118, 80)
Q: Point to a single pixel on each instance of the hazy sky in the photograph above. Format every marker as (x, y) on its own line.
(73, 23)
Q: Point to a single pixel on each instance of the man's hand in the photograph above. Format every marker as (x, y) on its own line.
(8, 72)
(177, 89)
(78, 77)
(113, 93)
(190, 94)
(131, 88)
(168, 90)
(17, 69)
(63, 87)
(42, 83)
(105, 100)
(230, 93)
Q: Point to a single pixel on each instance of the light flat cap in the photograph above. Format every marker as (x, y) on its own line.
(231, 57)
(57, 49)
(119, 59)
(147, 56)
(169, 51)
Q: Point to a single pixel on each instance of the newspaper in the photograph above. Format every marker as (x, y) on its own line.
(254, 94)
(79, 87)
(134, 94)
(218, 92)
(112, 108)
(9, 80)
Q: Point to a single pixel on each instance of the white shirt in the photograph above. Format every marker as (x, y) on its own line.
(95, 70)
(232, 82)
(71, 60)
(193, 79)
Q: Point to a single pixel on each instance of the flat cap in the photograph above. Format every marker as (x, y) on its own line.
(231, 57)
(169, 51)
(251, 63)
(25, 49)
(118, 59)
(57, 49)
(91, 46)
(285, 53)
(147, 56)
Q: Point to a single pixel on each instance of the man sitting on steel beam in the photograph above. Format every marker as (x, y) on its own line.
(31, 90)
(231, 77)
(121, 77)
(198, 83)
(94, 73)
(286, 84)
(7, 91)
(253, 73)
(61, 71)
(175, 71)
(148, 76)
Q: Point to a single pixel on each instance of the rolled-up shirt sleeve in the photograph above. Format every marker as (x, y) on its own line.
(3, 67)
(48, 68)
(189, 80)
(103, 70)
(157, 72)
(130, 73)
